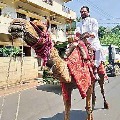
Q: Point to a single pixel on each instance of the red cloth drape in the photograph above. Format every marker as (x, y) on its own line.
(80, 72)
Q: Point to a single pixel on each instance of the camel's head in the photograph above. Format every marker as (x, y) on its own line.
(28, 31)
(34, 34)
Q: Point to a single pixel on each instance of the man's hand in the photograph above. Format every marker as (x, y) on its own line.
(87, 35)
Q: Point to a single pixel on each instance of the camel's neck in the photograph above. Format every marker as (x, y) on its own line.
(54, 55)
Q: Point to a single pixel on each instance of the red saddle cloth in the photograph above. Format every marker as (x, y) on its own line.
(79, 70)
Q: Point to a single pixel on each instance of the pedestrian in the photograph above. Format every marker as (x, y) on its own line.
(90, 25)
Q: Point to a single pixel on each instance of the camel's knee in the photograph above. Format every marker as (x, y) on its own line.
(67, 103)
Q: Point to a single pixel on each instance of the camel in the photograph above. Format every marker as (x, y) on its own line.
(35, 34)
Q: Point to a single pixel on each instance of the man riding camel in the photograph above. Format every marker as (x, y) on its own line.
(90, 25)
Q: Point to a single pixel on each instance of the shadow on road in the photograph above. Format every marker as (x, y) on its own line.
(100, 109)
(110, 75)
(50, 88)
(74, 115)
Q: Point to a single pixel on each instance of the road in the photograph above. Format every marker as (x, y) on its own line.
(45, 103)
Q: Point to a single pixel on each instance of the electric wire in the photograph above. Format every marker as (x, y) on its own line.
(107, 16)
(99, 9)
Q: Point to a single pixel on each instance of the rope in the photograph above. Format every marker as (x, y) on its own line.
(8, 71)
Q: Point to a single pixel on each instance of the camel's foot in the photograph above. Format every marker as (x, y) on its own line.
(67, 115)
(66, 118)
(90, 117)
(89, 113)
(106, 105)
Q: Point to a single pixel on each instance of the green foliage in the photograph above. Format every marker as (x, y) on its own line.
(71, 26)
(78, 19)
(109, 36)
(116, 29)
(11, 51)
(101, 31)
(61, 47)
(61, 44)
(48, 78)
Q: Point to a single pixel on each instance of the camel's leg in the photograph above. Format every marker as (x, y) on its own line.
(88, 103)
(101, 83)
(93, 96)
(67, 101)
(67, 104)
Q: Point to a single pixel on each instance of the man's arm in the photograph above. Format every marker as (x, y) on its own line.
(94, 32)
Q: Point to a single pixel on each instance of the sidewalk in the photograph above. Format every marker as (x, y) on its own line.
(16, 88)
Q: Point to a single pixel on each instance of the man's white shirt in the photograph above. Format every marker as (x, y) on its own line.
(90, 25)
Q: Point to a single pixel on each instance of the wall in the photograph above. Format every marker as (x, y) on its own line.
(29, 70)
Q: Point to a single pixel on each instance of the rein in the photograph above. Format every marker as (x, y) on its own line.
(44, 51)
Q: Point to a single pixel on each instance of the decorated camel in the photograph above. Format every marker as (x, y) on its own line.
(75, 71)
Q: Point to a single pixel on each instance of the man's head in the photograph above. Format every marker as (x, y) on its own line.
(84, 12)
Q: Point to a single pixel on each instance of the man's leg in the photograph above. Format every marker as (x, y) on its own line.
(98, 60)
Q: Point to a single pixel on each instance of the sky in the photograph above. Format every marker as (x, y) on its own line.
(107, 12)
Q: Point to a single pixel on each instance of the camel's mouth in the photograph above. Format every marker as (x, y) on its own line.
(16, 29)
(19, 27)
(30, 32)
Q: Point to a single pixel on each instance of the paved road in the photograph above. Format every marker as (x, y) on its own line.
(45, 103)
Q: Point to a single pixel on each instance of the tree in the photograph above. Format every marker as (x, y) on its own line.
(109, 36)
(116, 29)
(78, 19)
(101, 31)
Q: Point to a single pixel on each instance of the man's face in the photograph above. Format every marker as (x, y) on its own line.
(84, 13)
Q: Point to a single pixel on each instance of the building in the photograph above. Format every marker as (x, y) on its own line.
(55, 10)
